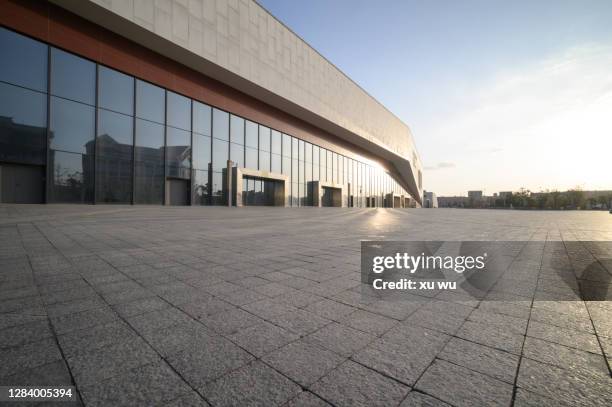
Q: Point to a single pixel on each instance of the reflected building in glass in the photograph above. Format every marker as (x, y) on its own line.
(97, 117)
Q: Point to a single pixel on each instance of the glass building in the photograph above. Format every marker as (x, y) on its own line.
(77, 128)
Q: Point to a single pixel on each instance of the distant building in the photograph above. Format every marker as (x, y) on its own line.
(453, 201)
(430, 200)
(475, 195)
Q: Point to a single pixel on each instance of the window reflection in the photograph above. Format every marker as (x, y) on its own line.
(114, 151)
(24, 61)
(202, 119)
(179, 111)
(178, 152)
(150, 102)
(72, 77)
(115, 91)
(23, 125)
(71, 126)
(71, 177)
(149, 164)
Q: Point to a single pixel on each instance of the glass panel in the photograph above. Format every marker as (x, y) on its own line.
(202, 118)
(179, 111)
(287, 166)
(237, 129)
(315, 163)
(252, 139)
(329, 165)
(149, 165)
(201, 152)
(24, 61)
(220, 154)
(251, 158)
(23, 125)
(72, 77)
(294, 149)
(258, 191)
(71, 126)
(218, 188)
(114, 133)
(323, 164)
(276, 163)
(286, 145)
(220, 125)
(178, 152)
(264, 138)
(115, 91)
(276, 142)
(150, 102)
(200, 187)
(71, 177)
(114, 158)
(237, 154)
(264, 160)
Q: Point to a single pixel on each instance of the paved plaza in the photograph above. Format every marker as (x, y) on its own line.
(196, 306)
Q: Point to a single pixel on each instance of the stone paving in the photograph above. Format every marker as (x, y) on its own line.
(262, 306)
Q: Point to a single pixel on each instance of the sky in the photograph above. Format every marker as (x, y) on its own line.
(499, 95)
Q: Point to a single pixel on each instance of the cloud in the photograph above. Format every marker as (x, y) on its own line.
(440, 166)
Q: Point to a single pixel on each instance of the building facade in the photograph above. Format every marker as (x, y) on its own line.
(430, 200)
(187, 103)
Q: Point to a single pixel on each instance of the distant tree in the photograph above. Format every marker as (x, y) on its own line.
(576, 197)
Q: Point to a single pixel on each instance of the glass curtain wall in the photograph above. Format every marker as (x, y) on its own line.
(108, 137)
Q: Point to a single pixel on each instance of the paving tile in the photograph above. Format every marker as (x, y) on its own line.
(174, 338)
(354, 385)
(569, 387)
(460, 386)
(10, 320)
(262, 338)
(495, 363)
(86, 340)
(303, 362)
(306, 399)
(329, 309)
(153, 384)
(564, 357)
(368, 322)
(492, 336)
(230, 321)
(340, 339)
(107, 362)
(21, 334)
(300, 322)
(51, 374)
(192, 399)
(524, 398)
(268, 308)
(416, 399)
(571, 338)
(443, 322)
(254, 385)
(209, 359)
(28, 356)
(140, 306)
(82, 320)
(403, 364)
(147, 323)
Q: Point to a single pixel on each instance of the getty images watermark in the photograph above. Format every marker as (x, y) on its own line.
(515, 270)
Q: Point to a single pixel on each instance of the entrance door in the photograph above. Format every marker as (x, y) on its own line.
(177, 191)
(331, 197)
(21, 183)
